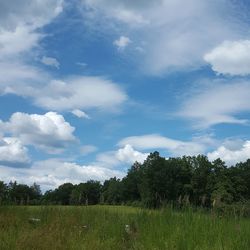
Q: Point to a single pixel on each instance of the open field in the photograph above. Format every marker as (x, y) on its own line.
(104, 227)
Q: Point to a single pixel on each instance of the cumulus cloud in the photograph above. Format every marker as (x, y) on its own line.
(80, 114)
(129, 155)
(49, 132)
(13, 153)
(53, 172)
(124, 155)
(50, 61)
(173, 36)
(216, 103)
(175, 147)
(122, 42)
(231, 155)
(230, 57)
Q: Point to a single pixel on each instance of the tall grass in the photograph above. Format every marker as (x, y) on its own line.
(103, 227)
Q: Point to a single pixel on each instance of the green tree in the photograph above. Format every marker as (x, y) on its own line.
(113, 191)
(3, 192)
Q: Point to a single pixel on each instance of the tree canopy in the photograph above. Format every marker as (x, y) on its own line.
(181, 181)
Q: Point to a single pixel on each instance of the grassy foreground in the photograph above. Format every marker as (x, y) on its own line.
(104, 227)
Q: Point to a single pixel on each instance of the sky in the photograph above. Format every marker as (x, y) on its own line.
(88, 87)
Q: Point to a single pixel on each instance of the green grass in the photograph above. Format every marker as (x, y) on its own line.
(103, 227)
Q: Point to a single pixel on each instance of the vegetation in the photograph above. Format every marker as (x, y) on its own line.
(181, 182)
(118, 227)
(202, 205)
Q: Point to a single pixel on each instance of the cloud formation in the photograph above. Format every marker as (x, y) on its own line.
(122, 42)
(88, 149)
(174, 147)
(218, 102)
(19, 22)
(128, 155)
(53, 172)
(172, 36)
(231, 155)
(80, 92)
(13, 153)
(18, 35)
(50, 61)
(80, 114)
(74, 93)
(123, 156)
(49, 132)
(230, 57)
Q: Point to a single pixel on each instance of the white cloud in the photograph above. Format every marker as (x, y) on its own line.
(20, 79)
(88, 149)
(125, 155)
(80, 114)
(107, 159)
(231, 155)
(50, 61)
(217, 103)
(122, 11)
(175, 147)
(173, 36)
(19, 22)
(128, 155)
(80, 92)
(49, 132)
(54, 172)
(29, 12)
(13, 153)
(122, 42)
(231, 57)
(12, 43)
(19, 34)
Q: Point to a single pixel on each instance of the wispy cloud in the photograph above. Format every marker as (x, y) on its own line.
(172, 146)
(173, 36)
(216, 103)
(50, 61)
(80, 114)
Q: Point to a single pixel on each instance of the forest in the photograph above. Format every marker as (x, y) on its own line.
(184, 181)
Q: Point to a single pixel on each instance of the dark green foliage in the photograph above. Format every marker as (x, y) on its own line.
(19, 194)
(113, 191)
(86, 193)
(3, 192)
(184, 181)
(158, 181)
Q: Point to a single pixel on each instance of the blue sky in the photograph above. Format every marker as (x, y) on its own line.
(90, 86)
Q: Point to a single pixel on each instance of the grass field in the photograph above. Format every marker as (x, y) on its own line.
(104, 227)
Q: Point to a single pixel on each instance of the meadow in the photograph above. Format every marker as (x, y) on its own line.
(119, 227)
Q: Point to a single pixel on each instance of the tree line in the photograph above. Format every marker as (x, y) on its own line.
(157, 181)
